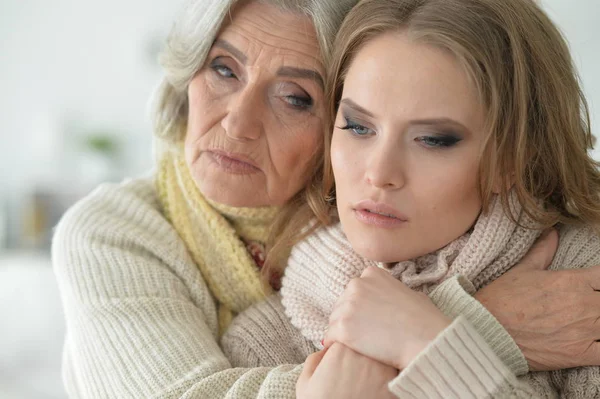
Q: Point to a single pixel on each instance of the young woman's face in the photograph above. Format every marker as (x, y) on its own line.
(405, 150)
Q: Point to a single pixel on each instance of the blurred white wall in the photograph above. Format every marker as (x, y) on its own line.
(69, 66)
(579, 21)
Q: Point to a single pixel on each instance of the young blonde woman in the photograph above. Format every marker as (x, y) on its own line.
(461, 137)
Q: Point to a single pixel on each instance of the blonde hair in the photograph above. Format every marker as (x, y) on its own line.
(537, 116)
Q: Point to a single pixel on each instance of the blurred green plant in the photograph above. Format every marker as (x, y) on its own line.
(102, 143)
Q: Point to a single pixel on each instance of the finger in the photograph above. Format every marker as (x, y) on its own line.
(373, 271)
(311, 363)
(330, 336)
(340, 321)
(338, 333)
(541, 254)
(592, 276)
(591, 356)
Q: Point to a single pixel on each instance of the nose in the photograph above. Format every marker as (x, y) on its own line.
(385, 169)
(243, 121)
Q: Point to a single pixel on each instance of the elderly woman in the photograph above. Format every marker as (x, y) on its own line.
(153, 270)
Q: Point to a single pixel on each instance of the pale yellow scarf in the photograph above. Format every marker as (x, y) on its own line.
(213, 234)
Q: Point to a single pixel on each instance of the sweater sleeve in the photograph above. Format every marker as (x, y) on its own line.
(263, 335)
(454, 298)
(459, 364)
(140, 319)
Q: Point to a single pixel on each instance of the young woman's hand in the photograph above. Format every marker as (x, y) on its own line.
(381, 318)
(340, 372)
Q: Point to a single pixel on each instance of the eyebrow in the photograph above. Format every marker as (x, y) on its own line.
(351, 104)
(291, 72)
(237, 53)
(427, 122)
(440, 122)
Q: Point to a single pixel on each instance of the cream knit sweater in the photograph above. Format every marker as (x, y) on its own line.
(473, 358)
(141, 322)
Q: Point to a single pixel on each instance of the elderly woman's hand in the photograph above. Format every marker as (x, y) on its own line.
(380, 317)
(552, 315)
(340, 372)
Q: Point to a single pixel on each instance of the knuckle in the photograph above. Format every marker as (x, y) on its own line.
(370, 271)
(353, 286)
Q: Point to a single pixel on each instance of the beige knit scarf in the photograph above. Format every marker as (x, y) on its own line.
(219, 238)
(494, 245)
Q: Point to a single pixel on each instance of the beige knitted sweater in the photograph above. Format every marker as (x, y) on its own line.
(473, 357)
(141, 321)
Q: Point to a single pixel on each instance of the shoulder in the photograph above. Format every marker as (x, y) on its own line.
(132, 199)
(328, 244)
(116, 242)
(127, 213)
(578, 247)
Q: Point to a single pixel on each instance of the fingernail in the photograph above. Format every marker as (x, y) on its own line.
(322, 342)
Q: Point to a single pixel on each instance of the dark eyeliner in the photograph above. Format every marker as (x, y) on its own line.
(440, 141)
(354, 127)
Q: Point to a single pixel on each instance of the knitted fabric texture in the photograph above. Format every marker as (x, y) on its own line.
(217, 237)
(308, 294)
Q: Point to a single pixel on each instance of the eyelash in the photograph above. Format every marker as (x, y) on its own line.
(297, 102)
(222, 70)
(440, 141)
(353, 126)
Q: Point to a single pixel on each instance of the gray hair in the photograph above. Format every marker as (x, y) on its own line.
(192, 36)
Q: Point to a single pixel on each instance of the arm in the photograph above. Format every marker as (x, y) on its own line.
(140, 319)
(551, 314)
(460, 364)
(263, 336)
(437, 357)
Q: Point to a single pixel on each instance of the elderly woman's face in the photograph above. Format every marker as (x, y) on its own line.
(256, 109)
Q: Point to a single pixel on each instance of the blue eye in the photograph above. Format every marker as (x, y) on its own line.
(299, 102)
(221, 69)
(439, 141)
(356, 128)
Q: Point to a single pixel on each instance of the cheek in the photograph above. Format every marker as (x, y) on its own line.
(295, 151)
(453, 197)
(203, 107)
(344, 161)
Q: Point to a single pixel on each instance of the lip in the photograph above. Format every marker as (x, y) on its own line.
(378, 214)
(233, 163)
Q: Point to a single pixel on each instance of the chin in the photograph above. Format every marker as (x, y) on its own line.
(225, 195)
(375, 250)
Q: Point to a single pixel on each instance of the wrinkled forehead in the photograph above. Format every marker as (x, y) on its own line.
(261, 29)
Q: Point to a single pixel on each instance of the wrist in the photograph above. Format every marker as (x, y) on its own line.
(421, 341)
